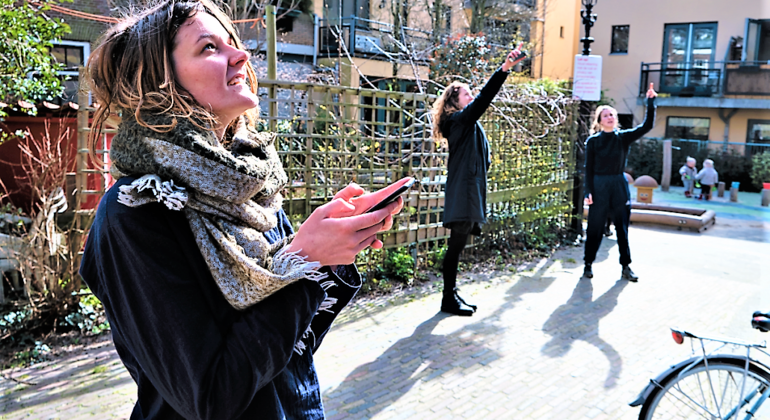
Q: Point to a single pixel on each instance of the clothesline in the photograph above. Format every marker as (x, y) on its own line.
(108, 19)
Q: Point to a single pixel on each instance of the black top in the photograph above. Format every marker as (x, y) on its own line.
(191, 354)
(606, 153)
(469, 157)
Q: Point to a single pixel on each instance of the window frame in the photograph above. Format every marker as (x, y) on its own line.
(612, 39)
(668, 124)
(73, 74)
(750, 123)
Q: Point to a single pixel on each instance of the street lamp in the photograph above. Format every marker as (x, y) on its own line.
(588, 20)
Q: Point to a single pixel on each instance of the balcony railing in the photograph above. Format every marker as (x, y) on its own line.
(368, 38)
(707, 78)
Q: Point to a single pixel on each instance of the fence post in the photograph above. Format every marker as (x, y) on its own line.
(272, 64)
(665, 181)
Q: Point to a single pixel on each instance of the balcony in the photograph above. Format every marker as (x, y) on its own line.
(709, 84)
(369, 39)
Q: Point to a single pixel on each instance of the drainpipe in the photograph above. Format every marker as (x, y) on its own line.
(315, 39)
(542, 42)
(726, 120)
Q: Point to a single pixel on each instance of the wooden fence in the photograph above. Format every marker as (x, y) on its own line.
(330, 136)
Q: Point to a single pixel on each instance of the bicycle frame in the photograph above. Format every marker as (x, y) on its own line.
(704, 358)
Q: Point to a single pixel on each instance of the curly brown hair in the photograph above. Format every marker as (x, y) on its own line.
(446, 105)
(132, 69)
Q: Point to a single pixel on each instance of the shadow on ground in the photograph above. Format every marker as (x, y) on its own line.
(578, 319)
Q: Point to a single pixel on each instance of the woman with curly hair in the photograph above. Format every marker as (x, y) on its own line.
(216, 307)
(456, 116)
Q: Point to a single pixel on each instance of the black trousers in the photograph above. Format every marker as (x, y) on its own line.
(611, 199)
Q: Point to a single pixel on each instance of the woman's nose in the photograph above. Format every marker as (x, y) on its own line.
(238, 57)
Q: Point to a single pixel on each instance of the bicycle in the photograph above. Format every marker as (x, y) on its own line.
(710, 385)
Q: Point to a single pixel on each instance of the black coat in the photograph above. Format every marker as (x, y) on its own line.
(469, 157)
(191, 354)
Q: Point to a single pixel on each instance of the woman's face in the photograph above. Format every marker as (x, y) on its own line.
(607, 120)
(464, 97)
(211, 68)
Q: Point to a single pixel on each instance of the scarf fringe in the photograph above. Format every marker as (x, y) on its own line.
(290, 262)
(325, 306)
(150, 188)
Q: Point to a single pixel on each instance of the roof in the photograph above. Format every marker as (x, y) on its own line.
(44, 108)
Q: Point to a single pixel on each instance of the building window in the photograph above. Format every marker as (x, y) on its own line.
(619, 39)
(72, 54)
(758, 133)
(691, 128)
(688, 59)
(757, 40)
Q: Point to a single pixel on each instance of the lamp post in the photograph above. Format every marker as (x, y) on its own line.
(584, 111)
(588, 21)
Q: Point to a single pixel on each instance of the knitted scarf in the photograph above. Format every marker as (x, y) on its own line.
(230, 196)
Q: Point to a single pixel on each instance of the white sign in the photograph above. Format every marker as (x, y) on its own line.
(587, 80)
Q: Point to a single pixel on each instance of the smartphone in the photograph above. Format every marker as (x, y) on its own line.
(392, 197)
(521, 56)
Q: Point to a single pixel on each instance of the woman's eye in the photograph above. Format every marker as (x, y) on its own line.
(211, 47)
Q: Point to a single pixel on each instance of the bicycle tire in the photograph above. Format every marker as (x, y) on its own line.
(672, 400)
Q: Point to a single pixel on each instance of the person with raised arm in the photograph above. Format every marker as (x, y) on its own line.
(607, 191)
(456, 115)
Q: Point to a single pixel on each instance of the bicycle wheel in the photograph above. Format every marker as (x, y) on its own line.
(702, 393)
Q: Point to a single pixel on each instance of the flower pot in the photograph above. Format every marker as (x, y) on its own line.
(766, 185)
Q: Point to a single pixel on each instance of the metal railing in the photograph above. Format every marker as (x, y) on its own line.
(707, 78)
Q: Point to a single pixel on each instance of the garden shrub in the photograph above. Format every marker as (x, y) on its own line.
(760, 169)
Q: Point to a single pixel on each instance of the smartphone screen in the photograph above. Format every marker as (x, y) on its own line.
(392, 197)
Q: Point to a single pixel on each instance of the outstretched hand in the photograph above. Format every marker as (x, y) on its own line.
(651, 92)
(514, 57)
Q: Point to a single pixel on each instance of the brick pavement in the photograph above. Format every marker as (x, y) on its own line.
(544, 345)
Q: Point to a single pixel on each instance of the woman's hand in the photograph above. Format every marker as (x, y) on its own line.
(332, 239)
(337, 231)
(514, 57)
(651, 92)
(588, 200)
(355, 196)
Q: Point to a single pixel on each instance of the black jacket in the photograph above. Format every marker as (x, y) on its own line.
(191, 354)
(606, 153)
(469, 157)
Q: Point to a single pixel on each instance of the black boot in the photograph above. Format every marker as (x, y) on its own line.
(629, 275)
(457, 295)
(453, 304)
(587, 272)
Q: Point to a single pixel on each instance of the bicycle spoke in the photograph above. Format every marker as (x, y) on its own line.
(714, 392)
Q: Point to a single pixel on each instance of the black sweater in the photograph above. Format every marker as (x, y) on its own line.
(606, 153)
(191, 354)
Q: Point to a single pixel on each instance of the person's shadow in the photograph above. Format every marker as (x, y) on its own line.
(421, 356)
(578, 319)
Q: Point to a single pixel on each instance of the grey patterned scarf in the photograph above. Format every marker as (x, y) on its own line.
(230, 196)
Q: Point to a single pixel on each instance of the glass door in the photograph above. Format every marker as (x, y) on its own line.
(688, 58)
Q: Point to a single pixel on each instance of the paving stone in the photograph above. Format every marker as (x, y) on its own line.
(544, 344)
